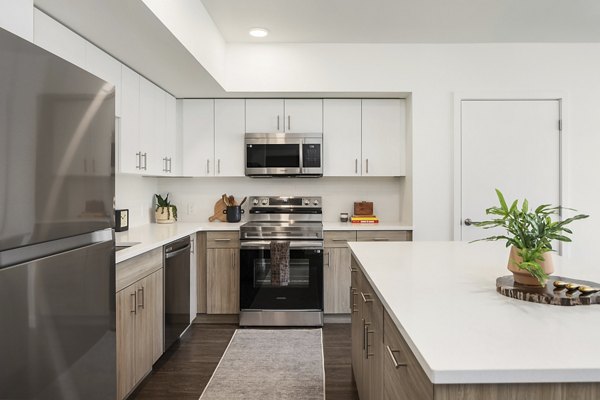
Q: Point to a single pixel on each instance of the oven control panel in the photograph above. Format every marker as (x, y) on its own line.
(279, 201)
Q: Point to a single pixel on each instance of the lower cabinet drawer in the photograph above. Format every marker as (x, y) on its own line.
(384, 236)
(339, 238)
(223, 240)
(404, 379)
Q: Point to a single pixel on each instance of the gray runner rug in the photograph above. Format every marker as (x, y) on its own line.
(284, 364)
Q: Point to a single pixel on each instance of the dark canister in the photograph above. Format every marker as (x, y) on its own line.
(234, 213)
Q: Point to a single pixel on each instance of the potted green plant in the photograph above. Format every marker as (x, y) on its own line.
(530, 232)
(165, 213)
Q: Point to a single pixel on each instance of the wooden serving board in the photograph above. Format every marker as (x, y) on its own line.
(506, 286)
(219, 208)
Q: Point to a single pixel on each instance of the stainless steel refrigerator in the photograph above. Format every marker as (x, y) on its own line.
(57, 266)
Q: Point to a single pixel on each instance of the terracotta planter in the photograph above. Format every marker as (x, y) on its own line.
(162, 215)
(523, 277)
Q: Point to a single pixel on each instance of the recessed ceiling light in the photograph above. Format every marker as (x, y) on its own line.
(258, 32)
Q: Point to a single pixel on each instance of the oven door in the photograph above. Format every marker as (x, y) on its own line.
(304, 290)
(274, 156)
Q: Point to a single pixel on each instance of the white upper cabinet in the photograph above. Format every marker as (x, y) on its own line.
(303, 116)
(383, 137)
(58, 39)
(284, 115)
(129, 131)
(198, 141)
(17, 17)
(264, 115)
(229, 137)
(152, 127)
(342, 137)
(104, 67)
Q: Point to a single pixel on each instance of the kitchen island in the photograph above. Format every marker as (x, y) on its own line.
(466, 340)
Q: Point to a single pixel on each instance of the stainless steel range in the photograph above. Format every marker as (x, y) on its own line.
(298, 299)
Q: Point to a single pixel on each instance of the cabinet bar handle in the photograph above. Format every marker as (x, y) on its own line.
(329, 259)
(365, 299)
(391, 354)
(138, 160)
(170, 164)
(356, 165)
(134, 302)
(222, 240)
(340, 240)
(289, 122)
(367, 165)
(353, 292)
(145, 161)
(277, 122)
(365, 330)
(352, 270)
(141, 291)
(207, 166)
(165, 164)
(219, 166)
(381, 239)
(367, 354)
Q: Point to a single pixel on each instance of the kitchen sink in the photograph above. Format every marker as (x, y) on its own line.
(125, 245)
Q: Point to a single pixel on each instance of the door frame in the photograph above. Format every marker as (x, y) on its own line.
(459, 97)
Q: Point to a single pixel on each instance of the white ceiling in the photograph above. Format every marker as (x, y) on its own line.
(408, 21)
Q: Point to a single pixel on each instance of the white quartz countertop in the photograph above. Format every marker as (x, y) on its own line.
(151, 236)
(442, 297)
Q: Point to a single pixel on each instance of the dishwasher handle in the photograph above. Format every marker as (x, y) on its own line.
(176, 252)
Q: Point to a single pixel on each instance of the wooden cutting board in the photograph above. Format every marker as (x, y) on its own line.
(219, 208)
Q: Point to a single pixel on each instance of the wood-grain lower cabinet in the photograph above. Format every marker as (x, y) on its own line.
(336, 271)
(223, 273)
(139, 325)
(403, 377)
(367, 337)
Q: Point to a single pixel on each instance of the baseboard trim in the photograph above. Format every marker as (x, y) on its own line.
(217, 319)
(337, 318)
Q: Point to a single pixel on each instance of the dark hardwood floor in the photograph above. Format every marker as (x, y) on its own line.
(183, 371)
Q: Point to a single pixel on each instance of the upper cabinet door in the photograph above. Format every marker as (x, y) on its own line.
(148, 128)
(303, 116)
(57, 39)
(342, 137)
(104, 67)
(264, 115)
(172, 138)
(384, 137)
(198, 129)
(129, 129)
(229, 137)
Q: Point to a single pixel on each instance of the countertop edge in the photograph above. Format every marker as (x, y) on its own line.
(189, 228)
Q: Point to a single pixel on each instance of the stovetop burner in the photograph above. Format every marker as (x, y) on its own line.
(284, 218)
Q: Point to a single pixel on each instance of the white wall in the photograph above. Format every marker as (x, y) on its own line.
(136, 193)
(16, 16)
(195, 197)
(433, 73)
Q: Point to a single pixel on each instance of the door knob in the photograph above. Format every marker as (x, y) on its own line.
(468, 222)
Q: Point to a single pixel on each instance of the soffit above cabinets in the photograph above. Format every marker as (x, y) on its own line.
(407, 21)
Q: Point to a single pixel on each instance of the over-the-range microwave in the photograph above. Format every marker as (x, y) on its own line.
(284, 154)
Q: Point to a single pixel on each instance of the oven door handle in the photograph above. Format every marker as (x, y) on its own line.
(294, 244)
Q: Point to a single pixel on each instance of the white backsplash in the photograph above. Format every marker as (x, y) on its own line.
(195, 197)
(136, 193)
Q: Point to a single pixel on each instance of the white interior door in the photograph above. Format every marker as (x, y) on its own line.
(512, 145)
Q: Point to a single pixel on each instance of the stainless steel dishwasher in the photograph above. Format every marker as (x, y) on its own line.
(177, 289)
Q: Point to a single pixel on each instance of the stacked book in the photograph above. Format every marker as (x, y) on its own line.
(364, 219)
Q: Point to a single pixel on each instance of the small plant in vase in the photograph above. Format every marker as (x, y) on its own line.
(165, 213)
(530, 232)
